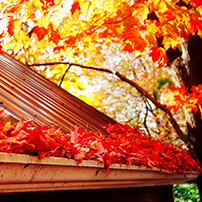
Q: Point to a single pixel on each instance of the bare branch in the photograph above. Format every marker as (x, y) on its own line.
(74, 64)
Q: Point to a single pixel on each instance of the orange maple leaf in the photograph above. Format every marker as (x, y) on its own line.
(54, 34)
(128, 47)
(176, 97)
(10, 27)
(58, 48)
(195, 25)
(138, 43)
(196, 96)
(158, 54)
(192, 107)
(40, 32)
(70, 40)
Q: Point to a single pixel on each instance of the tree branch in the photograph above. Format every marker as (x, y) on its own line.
(74, 64)
(143, 92)
(145, 120)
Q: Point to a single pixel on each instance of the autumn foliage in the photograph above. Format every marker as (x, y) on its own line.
(43, 31)
(39, 31)
(122, 145)
(178, 97)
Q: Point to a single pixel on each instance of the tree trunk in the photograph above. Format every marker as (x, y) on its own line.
(186, 68)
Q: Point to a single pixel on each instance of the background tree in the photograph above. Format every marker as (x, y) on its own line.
(80, 31)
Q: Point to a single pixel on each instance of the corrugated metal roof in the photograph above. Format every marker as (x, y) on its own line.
(27, 94)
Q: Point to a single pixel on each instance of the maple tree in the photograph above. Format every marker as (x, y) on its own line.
(40, 32)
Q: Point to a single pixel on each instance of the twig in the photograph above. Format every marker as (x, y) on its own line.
(63, 76)
(145, 117)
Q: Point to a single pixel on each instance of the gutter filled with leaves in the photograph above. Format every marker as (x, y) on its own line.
(122, 145)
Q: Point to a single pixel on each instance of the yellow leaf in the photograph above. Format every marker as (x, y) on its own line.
(17, 25)
(152, 28)
(43, 22)
(156, 2)
(171, 42)
(6, 126)
(30, 10)
(25, 40)
(162, 7)
(38, 4)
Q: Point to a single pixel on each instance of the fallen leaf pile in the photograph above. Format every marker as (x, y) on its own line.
(123, 145)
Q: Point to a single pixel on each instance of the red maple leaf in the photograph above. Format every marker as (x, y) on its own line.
(70, 40)
(158, 55)
(10, 27)
(54, 34)
(138, 43)
(75, 6)
(20, 126)
(195, 25)
(197, 2)
(40, 32)
(128, 47)
(58, 48)
(1, 51)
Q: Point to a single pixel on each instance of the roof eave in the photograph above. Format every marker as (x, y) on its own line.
(25, 173)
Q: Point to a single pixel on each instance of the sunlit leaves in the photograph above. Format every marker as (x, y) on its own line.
(10, 27)
(141, 11)
(158, 55)
(31, 8)
(137, 42)
(109, 20)
(176, 98)
(43, 22)
(180, 97)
